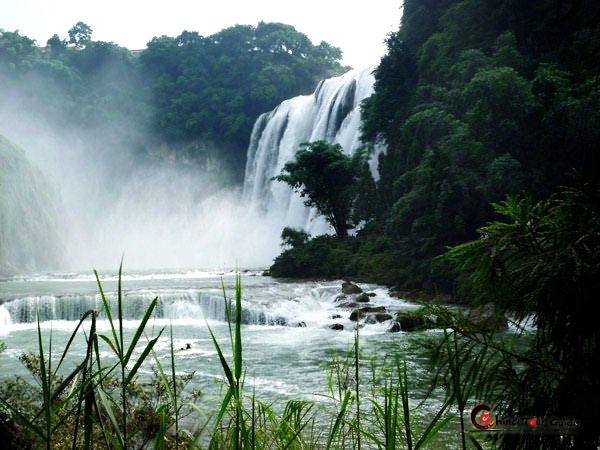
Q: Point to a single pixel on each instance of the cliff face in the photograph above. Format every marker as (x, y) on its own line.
(30, 239)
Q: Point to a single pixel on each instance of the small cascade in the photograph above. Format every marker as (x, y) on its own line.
(5, 319)
(331, 113)
(179, 304)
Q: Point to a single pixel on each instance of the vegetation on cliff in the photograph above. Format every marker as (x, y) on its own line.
(177, 91)
(475, 100)
(30, 214)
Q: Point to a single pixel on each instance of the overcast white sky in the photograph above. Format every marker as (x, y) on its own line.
(358, 27)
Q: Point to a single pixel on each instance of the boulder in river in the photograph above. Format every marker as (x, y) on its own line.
(377, 318)
(335, 316)
(394, 328)
(382, 317)
(363, 298)
(415, 320)
(302, 324)
(350, 288)
(348, 305)
(358, 314)
(336, 326)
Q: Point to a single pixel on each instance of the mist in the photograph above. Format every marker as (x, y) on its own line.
(158, 212)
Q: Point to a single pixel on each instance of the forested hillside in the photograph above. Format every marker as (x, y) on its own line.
(475, 100)
(198, 96)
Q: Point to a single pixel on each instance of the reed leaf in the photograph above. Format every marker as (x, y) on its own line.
(339, 419)
(142, 358)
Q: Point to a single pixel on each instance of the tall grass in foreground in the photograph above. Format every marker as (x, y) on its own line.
(100, 405)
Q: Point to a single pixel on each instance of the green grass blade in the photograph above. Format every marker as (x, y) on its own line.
(45, 386)
(159, 440)
(339, 419)
(356, 367)
(59, 390)
(237, 350)
(174, 380)
(431, 431)
(110, 344)
(85, 316)
(109, 412)
(106, 307)
(224, 405)
(141, 359)
(403, 385)
(140, 330)
(88, 421)
(224, 364)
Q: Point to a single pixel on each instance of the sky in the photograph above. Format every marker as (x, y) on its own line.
(357, 27)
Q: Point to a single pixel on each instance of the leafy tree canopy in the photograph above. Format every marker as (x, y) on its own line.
(197, 94)
(327, 178)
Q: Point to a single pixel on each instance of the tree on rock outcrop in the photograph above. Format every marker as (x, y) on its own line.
(324, 175)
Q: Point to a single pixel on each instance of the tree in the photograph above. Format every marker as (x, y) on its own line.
(327, 178)
(80, 34)
(541, 263)
(292, 237)
(56, 45)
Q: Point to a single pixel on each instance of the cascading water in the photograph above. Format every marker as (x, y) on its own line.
(331, 113)
(174, 304)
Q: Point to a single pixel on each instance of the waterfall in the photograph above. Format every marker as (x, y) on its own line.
(173, 304)
(331, 113)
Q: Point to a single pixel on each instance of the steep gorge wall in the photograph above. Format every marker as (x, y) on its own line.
(29, 215)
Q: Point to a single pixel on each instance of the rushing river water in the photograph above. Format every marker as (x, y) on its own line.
(283, 360)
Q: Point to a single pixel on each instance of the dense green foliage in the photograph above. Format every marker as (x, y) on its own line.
(218, 85)
(327, 179)
(176, 91)
(475, 100)
(540, 265)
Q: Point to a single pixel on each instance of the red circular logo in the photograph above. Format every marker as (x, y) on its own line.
(532, 422)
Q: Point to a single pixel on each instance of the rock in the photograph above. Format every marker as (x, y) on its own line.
(382, 317)
(340, 298)
(487, 319)
(336, 326)
(414, 320)
(302, 324)
(358, 314)
(348, 305)
(371, 294)
(335, 316)
(373, 309)
(363, 298)
(266, 273)
(377, 318)
(394, 328)
(350, 288)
